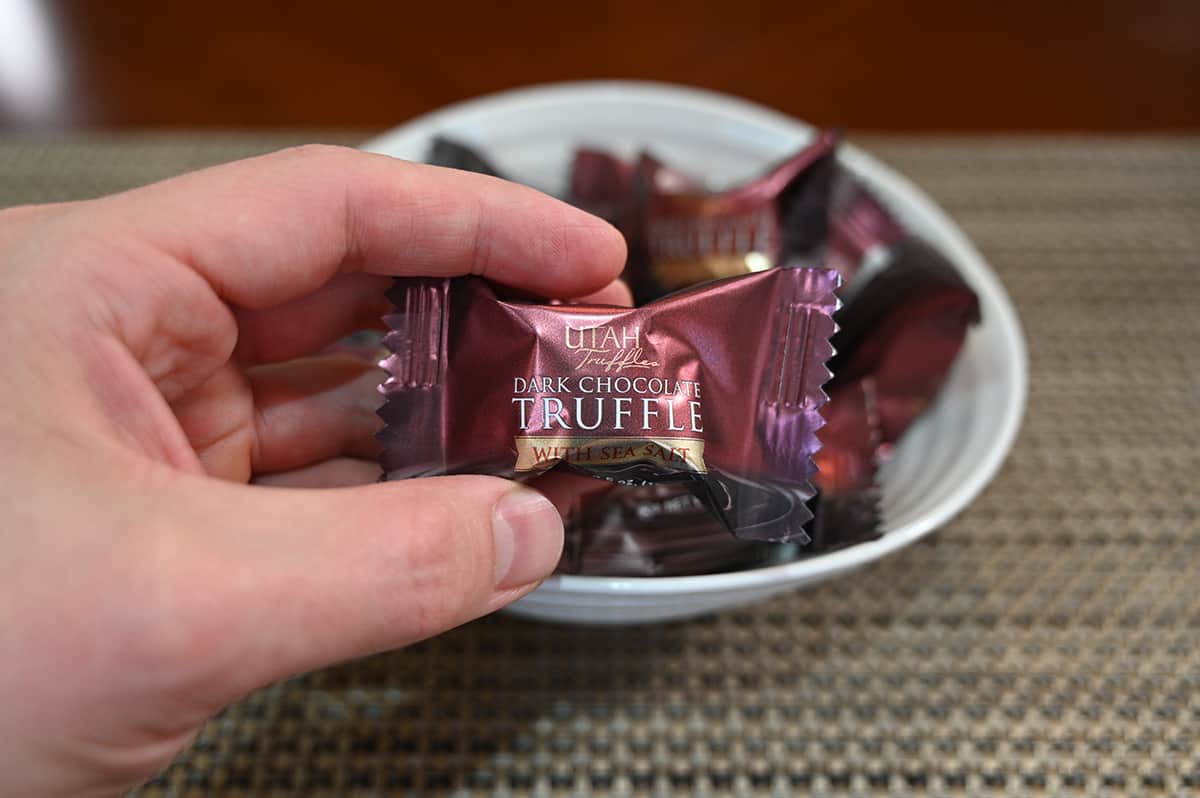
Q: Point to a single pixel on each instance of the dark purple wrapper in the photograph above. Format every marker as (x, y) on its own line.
(679, 235)
(691, 389)
(662, 530)
(900, 333)
(455, 155)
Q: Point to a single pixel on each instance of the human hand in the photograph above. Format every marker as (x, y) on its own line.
(150, 371)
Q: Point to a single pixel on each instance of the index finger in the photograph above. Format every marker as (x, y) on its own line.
(267, 230)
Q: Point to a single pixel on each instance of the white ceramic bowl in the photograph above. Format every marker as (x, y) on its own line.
(942, 462)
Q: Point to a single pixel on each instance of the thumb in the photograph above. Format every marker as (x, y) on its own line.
(306, 578)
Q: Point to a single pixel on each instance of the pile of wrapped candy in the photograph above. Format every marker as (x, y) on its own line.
(785, 333)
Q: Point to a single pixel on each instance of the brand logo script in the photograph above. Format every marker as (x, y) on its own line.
(614, 348)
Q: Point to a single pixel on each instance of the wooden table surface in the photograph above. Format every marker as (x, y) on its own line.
(867, 65)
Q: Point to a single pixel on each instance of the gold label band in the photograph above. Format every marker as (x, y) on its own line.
(536, 453)
(679, 272)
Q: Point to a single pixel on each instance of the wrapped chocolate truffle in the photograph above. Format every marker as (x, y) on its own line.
(900, 333)
(679, 234)
(717, 388)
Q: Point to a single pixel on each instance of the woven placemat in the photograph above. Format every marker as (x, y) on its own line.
(1046, 642)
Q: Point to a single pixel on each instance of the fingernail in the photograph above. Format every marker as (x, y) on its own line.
(527, 537)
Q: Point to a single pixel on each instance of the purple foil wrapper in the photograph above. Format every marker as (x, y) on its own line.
(603, 185)
(860, 229)
(680, 235)
(717, 388)
(900, 333)
(455, 155)
(663, 530)
(666, 531)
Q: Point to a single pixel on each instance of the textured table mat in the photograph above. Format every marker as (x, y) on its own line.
(1047, 642)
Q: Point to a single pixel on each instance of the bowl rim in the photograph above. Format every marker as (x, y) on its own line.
(962, 251)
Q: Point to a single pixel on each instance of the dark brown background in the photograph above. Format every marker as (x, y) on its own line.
(885, 65)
